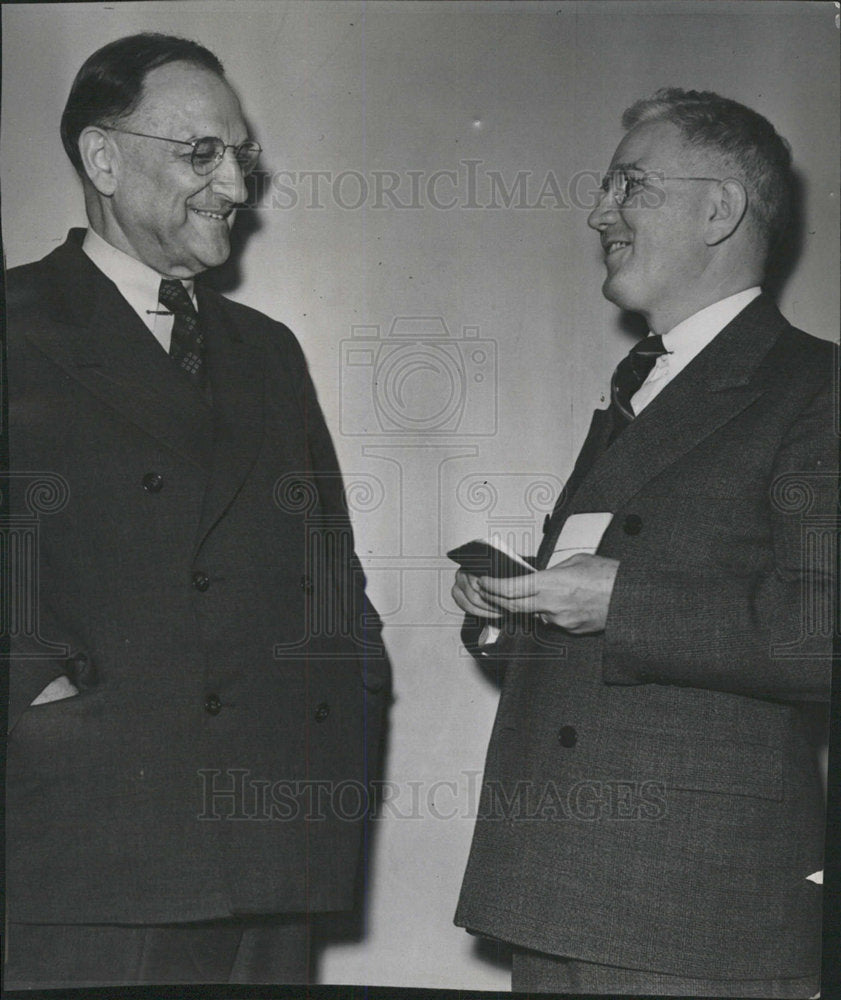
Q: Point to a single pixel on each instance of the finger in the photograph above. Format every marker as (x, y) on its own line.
(519, 605)
(509, 587)
(471, 606)
(466, 583)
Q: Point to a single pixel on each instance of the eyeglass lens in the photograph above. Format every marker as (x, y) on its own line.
(622, 184)
(208, 152)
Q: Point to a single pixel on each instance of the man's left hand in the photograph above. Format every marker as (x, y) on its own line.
(574, 594)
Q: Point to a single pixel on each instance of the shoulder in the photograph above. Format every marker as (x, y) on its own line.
(60, 284)
(803, 354)
(790, 355)
(25, 286)
(254, 326)
(272, 339)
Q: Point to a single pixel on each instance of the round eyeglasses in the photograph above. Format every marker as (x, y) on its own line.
(208, 151)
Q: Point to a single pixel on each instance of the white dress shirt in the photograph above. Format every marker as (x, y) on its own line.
(686, 340)
(138, 283)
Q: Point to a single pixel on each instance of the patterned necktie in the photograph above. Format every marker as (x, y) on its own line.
(187, 344)
(629, 376)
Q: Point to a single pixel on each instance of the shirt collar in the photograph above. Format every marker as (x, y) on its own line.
(695, 332)
(138, 283)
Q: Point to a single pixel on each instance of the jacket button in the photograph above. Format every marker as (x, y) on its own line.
(567, 736)
(201, 581)
(212, 704)
(306, 585)
(153, 482)
(322, 711)
(80, 670)
(632, 525)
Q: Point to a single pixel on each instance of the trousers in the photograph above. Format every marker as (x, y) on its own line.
(271, 949)
(536, 972)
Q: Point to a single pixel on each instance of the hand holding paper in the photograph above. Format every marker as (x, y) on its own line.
(574, 594)
(477, 558)
(467, 596)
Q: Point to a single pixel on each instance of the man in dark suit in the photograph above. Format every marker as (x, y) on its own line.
(651, 818)
(200, 678)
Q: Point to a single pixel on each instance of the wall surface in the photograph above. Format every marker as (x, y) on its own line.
(420, 222)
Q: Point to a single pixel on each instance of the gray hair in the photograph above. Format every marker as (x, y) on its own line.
(746, 140)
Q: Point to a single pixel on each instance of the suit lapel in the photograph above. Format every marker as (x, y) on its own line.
(594, 445)
(721, 382)
(98, 339)
(236, 372)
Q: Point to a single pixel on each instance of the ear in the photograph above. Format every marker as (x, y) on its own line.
(728, 204)
(100, 159)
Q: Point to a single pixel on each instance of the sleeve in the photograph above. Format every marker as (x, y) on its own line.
(362, 619)
(767, 634)
(483, 638)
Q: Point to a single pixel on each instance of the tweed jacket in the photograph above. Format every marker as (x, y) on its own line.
(651, 796)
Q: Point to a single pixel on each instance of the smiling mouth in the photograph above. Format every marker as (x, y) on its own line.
(207, 214)
(612, 246)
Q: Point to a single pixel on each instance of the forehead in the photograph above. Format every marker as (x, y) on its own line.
(656, 145)
(190, 98)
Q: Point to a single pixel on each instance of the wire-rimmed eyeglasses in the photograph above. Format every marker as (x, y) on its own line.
(208, 151)
(623, 184)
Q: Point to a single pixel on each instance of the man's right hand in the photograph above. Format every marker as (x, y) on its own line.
(61, 687)
(468, 598)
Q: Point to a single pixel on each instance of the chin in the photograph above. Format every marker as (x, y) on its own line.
(621, 297)
(612, 293)
(214, 257)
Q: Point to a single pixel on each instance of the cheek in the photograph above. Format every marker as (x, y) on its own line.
(659, 249)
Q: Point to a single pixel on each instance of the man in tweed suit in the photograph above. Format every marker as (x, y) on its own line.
(651, 818)
(179, 721)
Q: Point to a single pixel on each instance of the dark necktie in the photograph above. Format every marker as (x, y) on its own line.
(187, 344)
(629, 376)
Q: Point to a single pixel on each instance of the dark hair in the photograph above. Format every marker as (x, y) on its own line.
(110, 83)
(748, 142)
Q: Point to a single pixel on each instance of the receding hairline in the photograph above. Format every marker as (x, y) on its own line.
(176, 68)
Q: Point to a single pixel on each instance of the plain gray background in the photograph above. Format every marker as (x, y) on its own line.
(466, 413)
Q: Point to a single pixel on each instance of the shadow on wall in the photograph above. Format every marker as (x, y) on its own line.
(785, 258)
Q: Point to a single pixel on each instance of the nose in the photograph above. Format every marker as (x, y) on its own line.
(227, 178)
(605, 211)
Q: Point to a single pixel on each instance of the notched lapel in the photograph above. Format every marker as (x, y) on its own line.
(96, 337)
(237, 380)
(721, 382)
(594, 444)
(657, 439)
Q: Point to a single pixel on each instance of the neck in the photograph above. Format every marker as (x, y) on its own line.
(661, 321)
